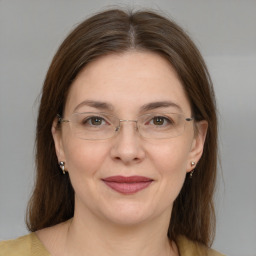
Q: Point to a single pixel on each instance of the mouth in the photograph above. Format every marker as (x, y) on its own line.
(127, 185)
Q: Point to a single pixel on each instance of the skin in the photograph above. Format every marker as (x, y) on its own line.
(107, 222)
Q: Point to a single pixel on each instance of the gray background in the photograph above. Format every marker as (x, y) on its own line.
(225, 32)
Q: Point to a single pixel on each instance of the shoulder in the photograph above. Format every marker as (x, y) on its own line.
(190, 248)
(23, 246)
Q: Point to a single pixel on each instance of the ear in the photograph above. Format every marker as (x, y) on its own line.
(57, 137)
(197, 146)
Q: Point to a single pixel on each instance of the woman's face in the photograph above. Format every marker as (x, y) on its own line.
(128, 85)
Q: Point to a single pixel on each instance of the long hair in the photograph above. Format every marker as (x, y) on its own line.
(117, 31)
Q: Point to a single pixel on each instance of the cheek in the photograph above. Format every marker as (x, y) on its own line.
(170, 161)
(84, 158)
(171, 157)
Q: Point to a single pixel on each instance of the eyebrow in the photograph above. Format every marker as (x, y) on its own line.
(159, 104)
(144, 108)
(94, 104)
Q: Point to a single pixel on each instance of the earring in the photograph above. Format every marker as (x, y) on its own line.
(62, 166)
(192, 171)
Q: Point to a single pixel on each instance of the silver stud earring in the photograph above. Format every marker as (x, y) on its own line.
(62, 166)
(192, 171)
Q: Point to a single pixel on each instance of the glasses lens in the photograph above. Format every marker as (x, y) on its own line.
(161, 126)
(94, 126)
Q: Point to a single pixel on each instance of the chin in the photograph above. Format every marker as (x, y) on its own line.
(128, 213)
(128, 219)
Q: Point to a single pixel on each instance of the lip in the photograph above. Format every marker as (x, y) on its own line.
(127, 185)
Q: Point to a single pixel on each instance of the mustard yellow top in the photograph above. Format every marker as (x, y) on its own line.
(30, 245)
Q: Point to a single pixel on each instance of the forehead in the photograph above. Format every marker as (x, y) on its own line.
(127, 81)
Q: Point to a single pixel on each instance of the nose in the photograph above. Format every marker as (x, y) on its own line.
(127, 145)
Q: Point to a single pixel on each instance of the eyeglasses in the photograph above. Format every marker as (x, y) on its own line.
(101, 126)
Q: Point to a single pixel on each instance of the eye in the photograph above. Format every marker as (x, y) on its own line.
(160, 121)
(94, 121)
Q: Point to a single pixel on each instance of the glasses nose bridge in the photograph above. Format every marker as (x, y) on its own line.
(127, 120)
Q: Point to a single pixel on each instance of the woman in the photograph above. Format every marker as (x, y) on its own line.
(126, 144)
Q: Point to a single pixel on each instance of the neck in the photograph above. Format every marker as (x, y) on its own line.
(93, 237)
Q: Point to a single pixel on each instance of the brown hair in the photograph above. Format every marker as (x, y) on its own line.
(118, 31)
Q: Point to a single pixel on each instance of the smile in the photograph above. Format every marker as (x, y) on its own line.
(127, 185)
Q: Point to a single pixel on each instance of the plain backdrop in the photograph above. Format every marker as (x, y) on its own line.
(225, 32)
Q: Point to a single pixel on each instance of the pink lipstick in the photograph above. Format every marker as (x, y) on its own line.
(127, 185)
